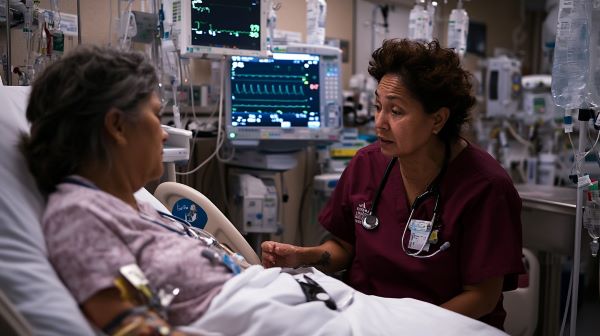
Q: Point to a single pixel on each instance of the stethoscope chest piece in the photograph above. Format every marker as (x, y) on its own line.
(370, 222)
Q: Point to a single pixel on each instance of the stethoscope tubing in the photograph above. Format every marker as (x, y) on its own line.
(371, 221)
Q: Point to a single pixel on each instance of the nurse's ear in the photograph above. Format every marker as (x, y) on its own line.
(439, 119)
(114, 124)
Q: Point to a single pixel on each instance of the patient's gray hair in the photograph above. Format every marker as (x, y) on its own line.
(68, 103)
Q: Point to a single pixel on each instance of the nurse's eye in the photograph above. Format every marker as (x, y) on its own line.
(397, 112)
(377, 107)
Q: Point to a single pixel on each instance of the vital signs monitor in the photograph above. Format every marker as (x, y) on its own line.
(223, 27)
(293, 97)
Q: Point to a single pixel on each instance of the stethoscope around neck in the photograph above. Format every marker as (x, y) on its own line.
(371, 221)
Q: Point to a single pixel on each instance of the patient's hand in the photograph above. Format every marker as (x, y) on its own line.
(279, 254)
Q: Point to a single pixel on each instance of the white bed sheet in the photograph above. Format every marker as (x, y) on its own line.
(267, 302)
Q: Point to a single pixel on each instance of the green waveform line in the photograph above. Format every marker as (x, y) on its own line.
(269, 81)
(265, 90)
(271, 106)
(276, 100)
(270, 76)
(254, 30)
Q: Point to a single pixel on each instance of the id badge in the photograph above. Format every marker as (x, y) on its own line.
(419, 234)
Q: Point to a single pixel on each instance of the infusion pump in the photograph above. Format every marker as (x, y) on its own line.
(503, 86)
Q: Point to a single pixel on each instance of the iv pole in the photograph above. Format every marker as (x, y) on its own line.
(79, 23)
(577, 242)
(584, 116)
(8, 49)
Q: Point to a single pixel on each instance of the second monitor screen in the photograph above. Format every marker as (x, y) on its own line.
(282, 91)
(226, 23)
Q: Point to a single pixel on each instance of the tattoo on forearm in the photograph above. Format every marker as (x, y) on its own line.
(324, 261)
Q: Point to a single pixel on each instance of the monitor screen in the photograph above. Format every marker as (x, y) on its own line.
(282, 91)
(294, 96)
(224, 27)
(212, 23)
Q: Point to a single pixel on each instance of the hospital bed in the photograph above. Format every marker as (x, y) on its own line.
(33, 300)
(169, 193)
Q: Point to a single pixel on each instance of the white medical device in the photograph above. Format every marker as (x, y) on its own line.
(503, 86)
(537, 99)
(256, 202)
(250, 158)
(177, 146)
(286, 101)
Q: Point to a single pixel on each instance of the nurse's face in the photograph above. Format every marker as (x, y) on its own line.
(402, 125)
(145, 140)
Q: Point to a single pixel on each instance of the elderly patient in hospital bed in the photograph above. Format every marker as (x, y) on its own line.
(95, 139)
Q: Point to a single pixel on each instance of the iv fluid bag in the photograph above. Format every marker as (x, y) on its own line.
(418, 24)
(430, 17)
(594, 81)
(316, 14)
(458, 28)
(570, 68)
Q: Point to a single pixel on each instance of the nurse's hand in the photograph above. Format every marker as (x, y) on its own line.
(279, 254)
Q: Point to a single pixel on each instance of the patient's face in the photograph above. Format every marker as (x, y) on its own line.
(145, 141)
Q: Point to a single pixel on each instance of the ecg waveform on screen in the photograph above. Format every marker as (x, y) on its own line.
(269, 89)
(226, 23)
(207, 28)
(275, 93)
(203, 9)
(271, 92)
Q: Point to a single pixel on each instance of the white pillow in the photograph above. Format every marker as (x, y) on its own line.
(26, 276)
(144, 195)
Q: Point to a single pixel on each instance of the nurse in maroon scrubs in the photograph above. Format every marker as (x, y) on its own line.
(421, 213)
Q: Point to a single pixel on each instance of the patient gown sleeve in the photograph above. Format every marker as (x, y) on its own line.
(84, 251)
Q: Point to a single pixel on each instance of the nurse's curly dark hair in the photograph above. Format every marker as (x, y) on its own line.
(68, 103)
(432, 74)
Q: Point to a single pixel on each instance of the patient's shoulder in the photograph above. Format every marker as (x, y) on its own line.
(70, 197)
(74, 209)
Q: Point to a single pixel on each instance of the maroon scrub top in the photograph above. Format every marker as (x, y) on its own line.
(480, 218)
